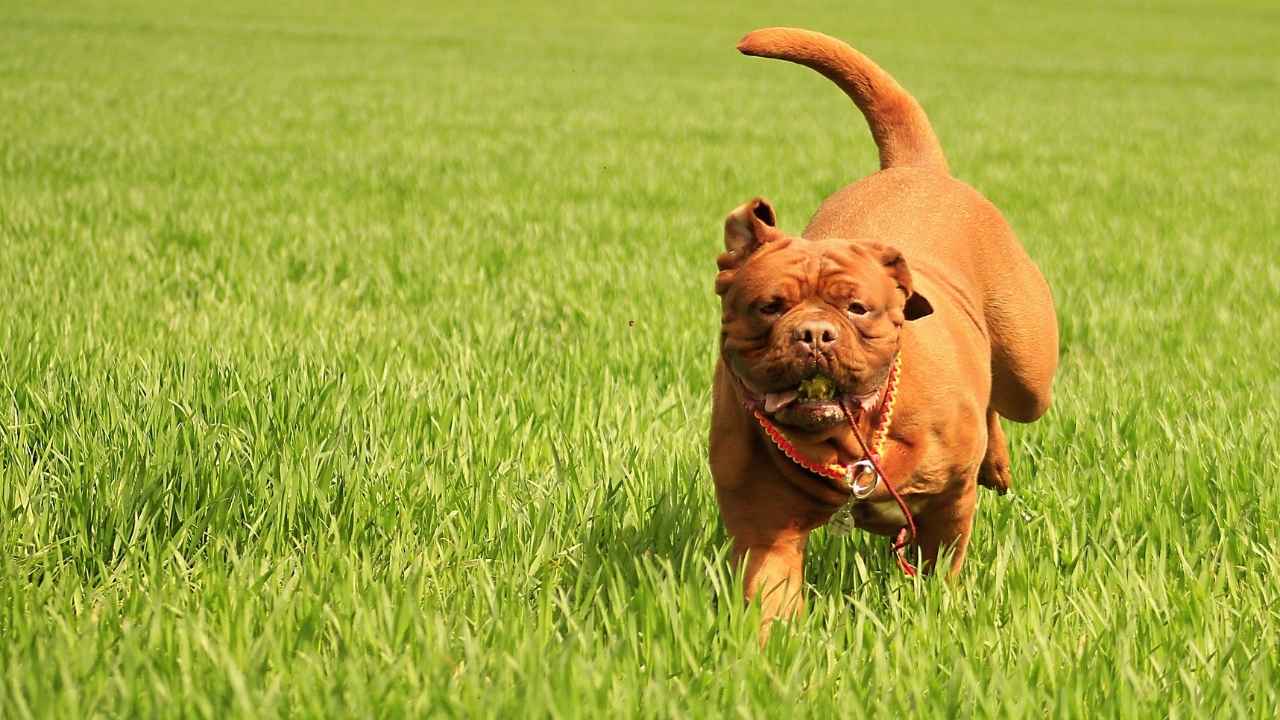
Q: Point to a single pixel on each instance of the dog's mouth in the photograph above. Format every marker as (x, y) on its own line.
(818, 389)
(812, 404)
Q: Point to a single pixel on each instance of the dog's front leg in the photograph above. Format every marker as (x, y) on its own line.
(947, 527)
(773, 573)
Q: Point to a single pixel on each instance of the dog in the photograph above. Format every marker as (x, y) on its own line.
(864, 365)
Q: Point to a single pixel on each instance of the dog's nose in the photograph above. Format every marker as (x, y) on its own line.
(815, 335)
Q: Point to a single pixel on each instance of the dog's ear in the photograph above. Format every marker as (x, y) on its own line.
(746, 229)
(917, 305)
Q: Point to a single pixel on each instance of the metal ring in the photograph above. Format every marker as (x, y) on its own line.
(862, 479)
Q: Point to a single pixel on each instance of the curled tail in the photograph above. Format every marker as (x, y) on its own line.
(898, 123)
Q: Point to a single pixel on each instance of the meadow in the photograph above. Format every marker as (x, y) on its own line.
(355, 361)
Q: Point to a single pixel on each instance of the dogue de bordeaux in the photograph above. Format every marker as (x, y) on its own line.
(864, 364)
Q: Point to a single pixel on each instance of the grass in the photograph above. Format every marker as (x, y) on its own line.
(356, 362)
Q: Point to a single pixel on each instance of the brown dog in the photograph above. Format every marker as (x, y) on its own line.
(912, 303)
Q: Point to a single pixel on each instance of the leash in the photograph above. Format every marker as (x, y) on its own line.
(908, 532)
(862, 477)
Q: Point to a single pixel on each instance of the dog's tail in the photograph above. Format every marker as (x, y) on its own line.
(898, 123)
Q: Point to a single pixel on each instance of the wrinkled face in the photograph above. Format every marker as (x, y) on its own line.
(806, 323)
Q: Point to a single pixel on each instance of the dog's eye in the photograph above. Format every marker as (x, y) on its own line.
(857, 308)
(773, 307)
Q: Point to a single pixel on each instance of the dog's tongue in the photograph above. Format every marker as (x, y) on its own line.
(774, 402)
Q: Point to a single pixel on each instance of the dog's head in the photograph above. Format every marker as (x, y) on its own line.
(806, 323)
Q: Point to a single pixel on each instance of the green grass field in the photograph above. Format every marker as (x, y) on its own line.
(356, 362)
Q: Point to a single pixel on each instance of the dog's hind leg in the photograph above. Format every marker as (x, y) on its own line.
(994, 471)
(1023, 329)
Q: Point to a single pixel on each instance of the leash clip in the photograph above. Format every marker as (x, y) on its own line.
(862, 479)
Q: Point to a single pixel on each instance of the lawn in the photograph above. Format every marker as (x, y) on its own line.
(355, 361)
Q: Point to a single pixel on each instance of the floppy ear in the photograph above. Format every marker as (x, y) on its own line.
(917, 305)
(745, 230)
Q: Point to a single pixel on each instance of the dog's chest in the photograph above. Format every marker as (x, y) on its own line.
(932, 474)
(883, 516)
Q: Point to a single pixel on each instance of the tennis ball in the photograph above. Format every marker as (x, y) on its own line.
(818, 387)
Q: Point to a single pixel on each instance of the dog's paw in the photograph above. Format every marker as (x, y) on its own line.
(994, 473)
